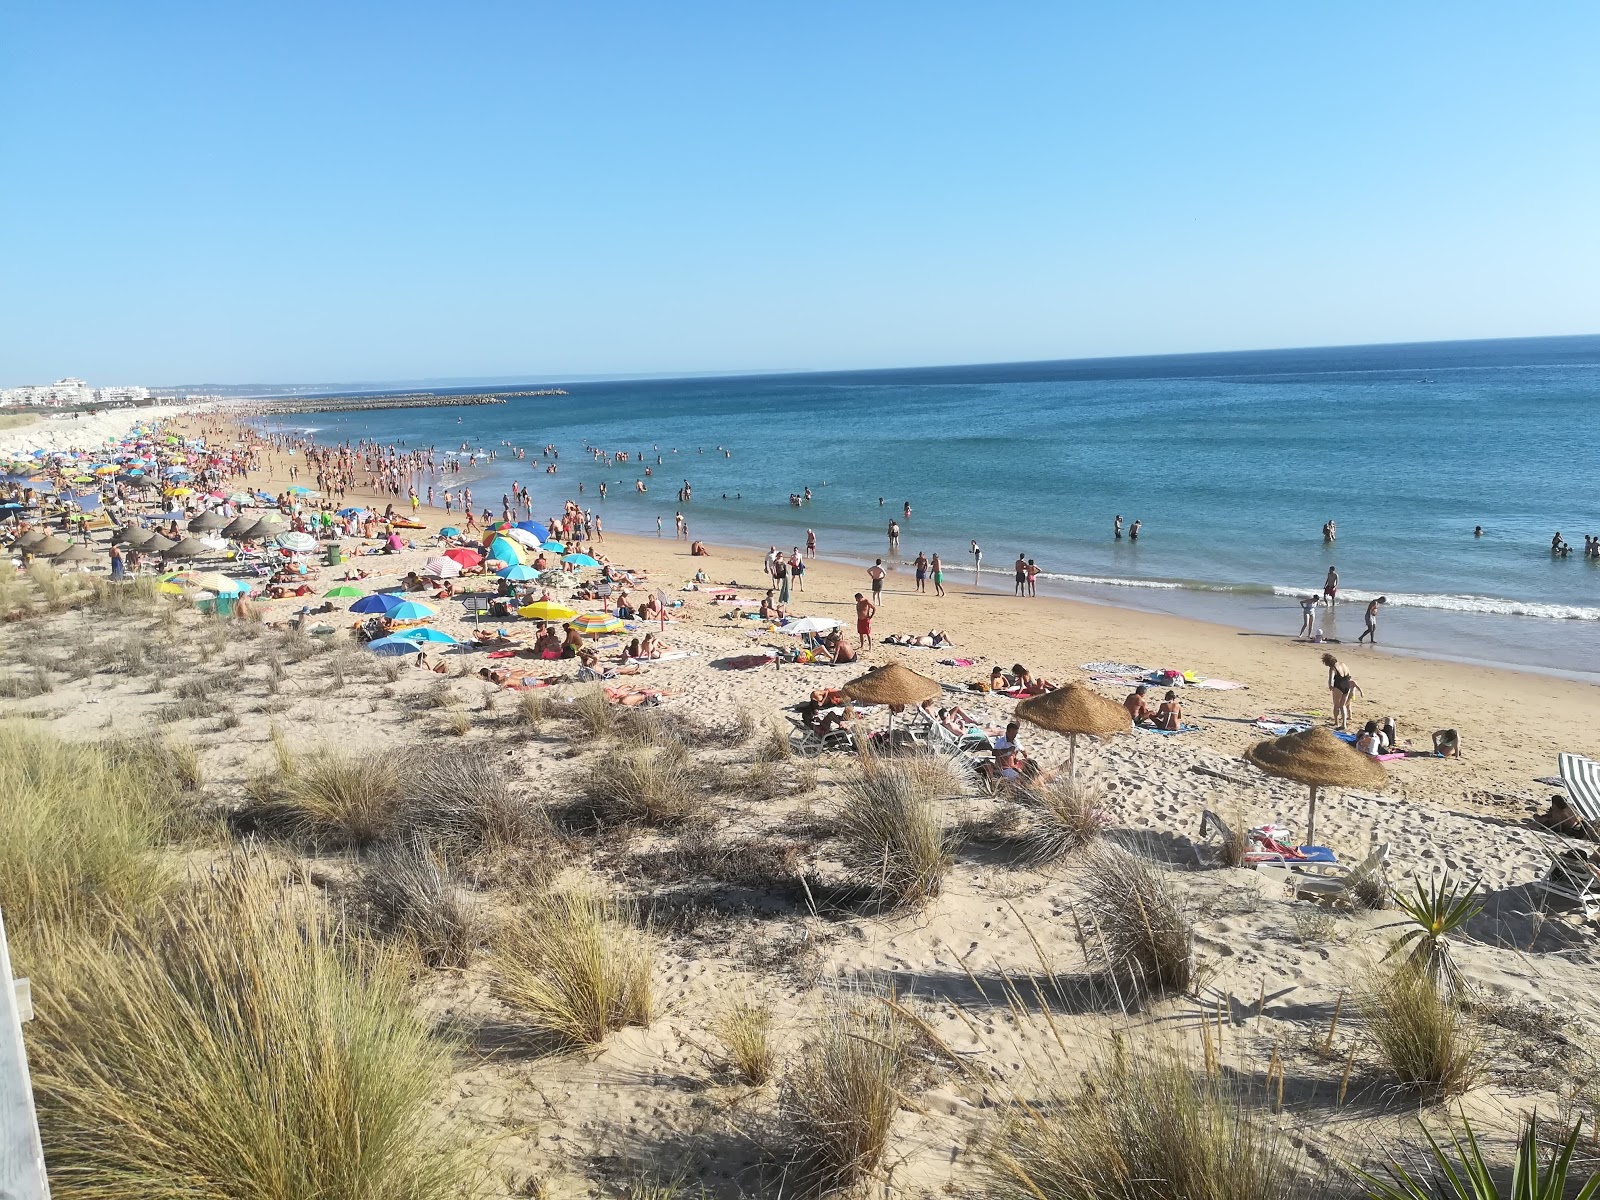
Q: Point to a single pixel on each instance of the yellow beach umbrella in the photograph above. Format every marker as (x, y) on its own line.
(546, 610)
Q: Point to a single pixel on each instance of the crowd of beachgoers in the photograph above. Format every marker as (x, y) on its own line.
(819, 817)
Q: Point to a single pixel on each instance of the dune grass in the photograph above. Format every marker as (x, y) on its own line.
(80, 825)
(1429, 1044)
(231, 1045)
(1064, 816)
(576, 968)
(650, 785)
(1137, 925)
(331, 800)
(894, 829)
(1141, 1124)
(410, 894)
(745, 1031)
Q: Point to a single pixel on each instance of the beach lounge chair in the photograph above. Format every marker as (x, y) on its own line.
(1329, 881)
(1263, 848)
(1570, 877)
(1582, 777)
(806, 742)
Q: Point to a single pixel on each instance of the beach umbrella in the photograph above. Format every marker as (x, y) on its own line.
(497, 527)
(505, 550)
(1316, 758)
(208, 521)
(395, 645)
(809, 625)
(1075, 710)
(555, 546)
(533, 527)
(343, 591)
(546, 610)
(449, 531)
(378, 602)
(438, 636)
(48, 546)
(523, 538)
(354, 512)
(444, 568)
(129, 535)
(187, 548)
(77, 552)
(467, 558)
(238, 528)
(593, 624)
(892, 684)
(410, 610)
(211, 581)
(580, 560)
(517, 572)
(298, 490)
(241, 498)
(157, 543)
(299, 543)
(32, 538)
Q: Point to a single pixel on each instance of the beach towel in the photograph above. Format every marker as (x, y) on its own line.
(956, 662)
(1222, 685)
(1113, 668)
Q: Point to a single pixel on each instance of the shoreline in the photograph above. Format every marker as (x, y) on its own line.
(1513, 723)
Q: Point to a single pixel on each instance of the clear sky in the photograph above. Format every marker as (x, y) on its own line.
(279, 191)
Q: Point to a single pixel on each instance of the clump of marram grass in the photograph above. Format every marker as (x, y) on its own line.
(775, 746)
(893, 827)
(461, 799)
(1428, 1043)
(839, 1102)
(79, 827)
(533, 709)
(745, 1031)
(234, 1045)
(649, 786)
(456, 722)
(576, 967)
(410, 894)
(595, 715)
(1136, 924)
(1063, 816)
(1141, 1124)
(1234, 832)
(331, 800)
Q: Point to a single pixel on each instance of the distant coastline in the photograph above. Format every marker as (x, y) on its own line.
(365, 403)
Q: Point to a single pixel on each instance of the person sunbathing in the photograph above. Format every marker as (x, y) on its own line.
(652, 646)
(1560, 817)
(590, 670)
(768, 610)
(1138, 710)
(572, 643)
(1170, 715)
(633, 650)
(999, 681)
(1009, 763)
(698, 550)
(962, 724)
(836, 650)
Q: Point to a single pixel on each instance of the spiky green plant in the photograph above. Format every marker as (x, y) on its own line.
(1439, 907)
(1467, 1175)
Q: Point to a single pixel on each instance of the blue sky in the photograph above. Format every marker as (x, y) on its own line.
(345, 190)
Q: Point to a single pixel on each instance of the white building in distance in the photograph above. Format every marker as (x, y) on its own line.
(64, 392)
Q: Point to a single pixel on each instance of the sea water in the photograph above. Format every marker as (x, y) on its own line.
(1231, 462)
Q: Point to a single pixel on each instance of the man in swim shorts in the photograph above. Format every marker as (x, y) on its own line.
(876, 573)
(1371, 631)
(865, 611)
(1020, 568)
(921, 564)
(1330, 586)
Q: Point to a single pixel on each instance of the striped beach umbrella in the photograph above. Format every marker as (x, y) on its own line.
(592, 624)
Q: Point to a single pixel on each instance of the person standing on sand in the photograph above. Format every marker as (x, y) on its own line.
(1340, 685)
(1371, 631)
(811, 543)
(797, 569)
(938, 576)
(876, 573)
(921, 565)
(1020, 570)
(865, 611)
(658, 525)
(977, 559)
(1330, 586)
(1308, 618)
(1116, 528)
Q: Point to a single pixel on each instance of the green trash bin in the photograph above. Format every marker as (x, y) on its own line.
(335, 555)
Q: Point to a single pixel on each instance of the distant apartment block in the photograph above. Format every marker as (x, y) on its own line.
(65, 392)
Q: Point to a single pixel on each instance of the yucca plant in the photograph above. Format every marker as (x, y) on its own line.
(1467, 1176)
(1439, 907)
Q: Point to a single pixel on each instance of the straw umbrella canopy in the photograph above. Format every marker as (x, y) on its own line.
(891, 684)
(187, 548)
(30, 539)
(1075, 710)
(132, 535)
(75, 553)
(48, 547)
(156, 543)
(208, 521)
(238, 526)
(1317, 759)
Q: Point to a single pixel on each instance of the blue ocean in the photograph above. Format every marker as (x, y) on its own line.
(1231, 462)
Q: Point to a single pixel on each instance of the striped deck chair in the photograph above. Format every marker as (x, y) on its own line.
(1582, 777)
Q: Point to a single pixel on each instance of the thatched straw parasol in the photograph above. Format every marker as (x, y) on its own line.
(187, 548)
(1072, 710)
(891, 684)
(48, 547)
(32, 538)
(156, 543)
(131, 535)
(76, 553)
(238, 527)
(1317, 759)
(208, 521)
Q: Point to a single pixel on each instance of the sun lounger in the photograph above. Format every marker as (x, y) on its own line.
(1263, 850)
(1582, 777)
(1328, 881)
(1570, 877)
(806, 742)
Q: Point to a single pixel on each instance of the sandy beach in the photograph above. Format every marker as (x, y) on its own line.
(651, 1102)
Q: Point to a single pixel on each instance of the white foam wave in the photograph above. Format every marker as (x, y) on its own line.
(1493, 605)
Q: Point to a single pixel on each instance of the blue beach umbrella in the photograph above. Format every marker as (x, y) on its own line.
(533, 527)
(378, 602)
(558, 547)
(580, 560)
(517, 572)
(394, 645)
(354, 512)
(410, 610)
(431, 635)
(449, 531)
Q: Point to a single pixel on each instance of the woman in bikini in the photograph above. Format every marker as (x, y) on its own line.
(1340, 685)
(1170, 715)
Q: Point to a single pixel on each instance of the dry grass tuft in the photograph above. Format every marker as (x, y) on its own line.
(457, 723)
(233, 1046)
(409, 894)
(331, 800)
(1064, 816)
(839, 1102)
(595, 716)
(1429, 1044)
(745, 1032)
(894, 827)
(650, 786)
(460, 798)
(1136, 923)
(576, 968)
(533, 709)
(1141, 1125)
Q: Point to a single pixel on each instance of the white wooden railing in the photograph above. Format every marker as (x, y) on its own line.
(21, 1156)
